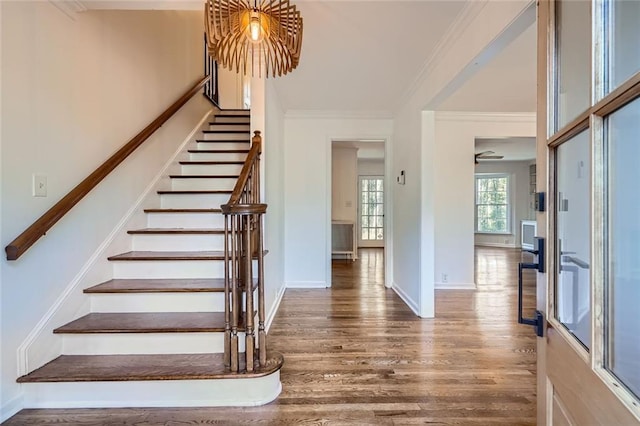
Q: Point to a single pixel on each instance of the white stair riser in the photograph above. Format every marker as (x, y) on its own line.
(158, 393)
(178, 242)
(222, 145)
(193, 201)
(237, 126)
(209, 169)
(157, 302)
(217, 156)
(226, 136)
(203, 184)
(168, 269)
(227, 119)
(185, 220)
(143, 343)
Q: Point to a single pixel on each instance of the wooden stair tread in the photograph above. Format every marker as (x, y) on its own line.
(169, 255)
(213, 123)
(159, 231)
(204, 176)
(146, 322)
(158, 286)
(174, 191)
(183, 211)
(212, 163)
(218, 151)
(223, 141)
(233, 132)
(108, 368)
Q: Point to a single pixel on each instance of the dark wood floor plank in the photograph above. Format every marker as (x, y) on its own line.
(356, 355)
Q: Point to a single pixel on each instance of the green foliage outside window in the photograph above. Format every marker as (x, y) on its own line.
(492, 204)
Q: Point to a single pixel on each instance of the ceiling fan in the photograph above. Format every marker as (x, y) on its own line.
(487, 155)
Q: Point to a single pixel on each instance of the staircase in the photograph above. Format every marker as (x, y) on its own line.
(156, 332)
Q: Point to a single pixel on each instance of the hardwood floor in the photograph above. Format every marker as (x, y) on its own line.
(355, 354)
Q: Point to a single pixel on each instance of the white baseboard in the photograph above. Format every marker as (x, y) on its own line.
(274, 308)
(500, 245)
(37, 348)
(455, 286)
(405, 297)
(306, 284)
(11, 408)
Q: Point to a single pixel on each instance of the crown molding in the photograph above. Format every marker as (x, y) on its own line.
(69, 7)
(470, 11)
(337, 114)
(511, 117)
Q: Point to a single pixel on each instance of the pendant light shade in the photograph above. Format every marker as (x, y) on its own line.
(263, 38)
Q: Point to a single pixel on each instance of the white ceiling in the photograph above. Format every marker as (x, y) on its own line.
(363, 55)
(513, 149)
(506, 84)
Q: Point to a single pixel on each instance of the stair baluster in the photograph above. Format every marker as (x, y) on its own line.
(244, 244)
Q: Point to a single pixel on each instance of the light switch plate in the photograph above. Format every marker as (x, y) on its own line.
(39, 185)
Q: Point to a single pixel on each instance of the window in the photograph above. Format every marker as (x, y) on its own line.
(372, 208)
(492, 204)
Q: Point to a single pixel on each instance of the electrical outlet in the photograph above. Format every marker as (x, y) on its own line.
(445, 278)
(39, 188)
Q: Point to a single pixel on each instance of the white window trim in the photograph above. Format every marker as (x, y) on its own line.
(477, 176)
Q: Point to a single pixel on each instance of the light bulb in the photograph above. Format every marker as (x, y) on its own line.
(255, 29)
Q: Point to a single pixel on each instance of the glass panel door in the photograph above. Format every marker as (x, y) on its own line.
(573, 232)
(622, 315)
(372, 211)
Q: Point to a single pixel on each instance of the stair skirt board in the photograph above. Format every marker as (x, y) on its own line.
(144, 343)
(157, 302)
(157, 393)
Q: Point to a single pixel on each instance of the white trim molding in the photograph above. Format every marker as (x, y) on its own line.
(412, 304)
(500, 117)
(338, 114)
(274, 308)
(12, 407)
(306, 284)
(69, 7)
(455, 286)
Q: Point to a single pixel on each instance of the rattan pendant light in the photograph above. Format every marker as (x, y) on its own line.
(263, 37)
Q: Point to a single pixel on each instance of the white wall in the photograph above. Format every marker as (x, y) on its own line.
(273, 160)
(520, 199)
(418, 151)
(344, 183)
(230, 88)
(75, 89)
(454, 168)
(307, 189)
(370, 167)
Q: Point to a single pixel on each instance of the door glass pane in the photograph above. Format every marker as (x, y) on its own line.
(372, 209)
(623, 310)
(624, 36)
(573, 79)
(573, 183)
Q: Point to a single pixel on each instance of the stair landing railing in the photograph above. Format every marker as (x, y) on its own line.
(243, 250)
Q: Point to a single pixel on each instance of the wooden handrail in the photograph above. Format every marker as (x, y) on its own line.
(40, 227)
(245, 174)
